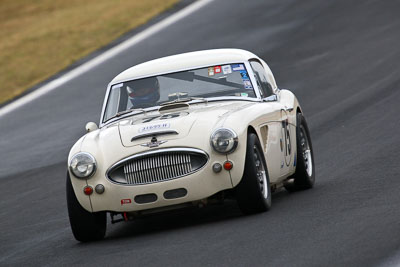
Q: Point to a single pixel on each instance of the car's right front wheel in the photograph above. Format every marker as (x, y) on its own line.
(86, 226)
(253, 193)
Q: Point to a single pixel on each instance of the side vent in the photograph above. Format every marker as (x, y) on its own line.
(264, 137)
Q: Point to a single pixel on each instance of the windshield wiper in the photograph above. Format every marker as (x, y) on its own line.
(119, 114)
(182, 100)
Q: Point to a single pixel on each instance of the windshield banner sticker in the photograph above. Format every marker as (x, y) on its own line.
(226, 69)
(237, 67)
(154, 127)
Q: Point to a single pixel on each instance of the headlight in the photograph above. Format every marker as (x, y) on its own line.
(224, 140)
(82, 165)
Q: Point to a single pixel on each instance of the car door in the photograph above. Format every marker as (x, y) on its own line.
(279, 156)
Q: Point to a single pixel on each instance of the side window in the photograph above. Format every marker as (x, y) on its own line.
(262, 80)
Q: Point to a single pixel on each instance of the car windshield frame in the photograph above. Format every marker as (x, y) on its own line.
(248, 67)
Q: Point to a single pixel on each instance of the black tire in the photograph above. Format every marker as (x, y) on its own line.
(304, 177)
(253, 193)
(86, 226)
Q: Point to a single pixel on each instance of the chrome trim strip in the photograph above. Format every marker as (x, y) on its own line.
(171, 167)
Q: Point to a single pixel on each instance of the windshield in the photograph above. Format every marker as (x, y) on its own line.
(213, 81)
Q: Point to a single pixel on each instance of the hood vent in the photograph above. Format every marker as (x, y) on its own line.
(174, 106)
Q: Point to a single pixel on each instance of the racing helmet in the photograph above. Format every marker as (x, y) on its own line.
(144, 93)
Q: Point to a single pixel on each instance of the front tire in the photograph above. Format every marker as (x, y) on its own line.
(304, 177)
(253, 193)
(86, 226)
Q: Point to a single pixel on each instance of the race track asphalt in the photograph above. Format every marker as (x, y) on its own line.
(341, 58)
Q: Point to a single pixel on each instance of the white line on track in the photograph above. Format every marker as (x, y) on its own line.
(104, 56)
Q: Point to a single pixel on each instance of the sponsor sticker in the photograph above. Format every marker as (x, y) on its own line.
(243, 73)
(126, 201)
(237, 67)
(211, 71)
(153, 127)
(217, 69)
(247, 84)
(244, 94)
(226, 69)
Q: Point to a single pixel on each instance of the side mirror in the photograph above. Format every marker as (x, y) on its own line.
(91, 126)
(270, 98)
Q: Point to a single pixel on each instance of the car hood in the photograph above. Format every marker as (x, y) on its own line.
(176, 123)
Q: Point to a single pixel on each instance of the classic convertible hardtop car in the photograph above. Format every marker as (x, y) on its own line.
(185, 130)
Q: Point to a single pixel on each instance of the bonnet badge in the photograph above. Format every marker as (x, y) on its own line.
(153, 143)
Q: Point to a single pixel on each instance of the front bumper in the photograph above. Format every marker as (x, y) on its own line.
(125, 198)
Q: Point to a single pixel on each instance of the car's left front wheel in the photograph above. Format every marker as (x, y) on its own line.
(86, 226)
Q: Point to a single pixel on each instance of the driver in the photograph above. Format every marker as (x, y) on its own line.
(144, 93)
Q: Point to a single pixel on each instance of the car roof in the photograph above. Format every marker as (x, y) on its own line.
(184, 61)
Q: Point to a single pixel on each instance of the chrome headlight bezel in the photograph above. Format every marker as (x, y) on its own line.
(84, 158)
(230, 136)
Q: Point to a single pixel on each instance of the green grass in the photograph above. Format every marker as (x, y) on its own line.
(41, 37)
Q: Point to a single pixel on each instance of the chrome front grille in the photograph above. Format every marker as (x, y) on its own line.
(157, 166)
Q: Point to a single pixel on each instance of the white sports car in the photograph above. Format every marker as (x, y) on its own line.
(188, 130)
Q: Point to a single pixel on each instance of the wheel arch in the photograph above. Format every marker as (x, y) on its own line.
(250, 129)
(238, 157)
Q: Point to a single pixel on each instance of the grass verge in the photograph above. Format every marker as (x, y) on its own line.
(40, 38)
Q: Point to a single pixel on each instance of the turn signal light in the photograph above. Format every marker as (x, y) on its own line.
(228, 165)
(88, 190)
